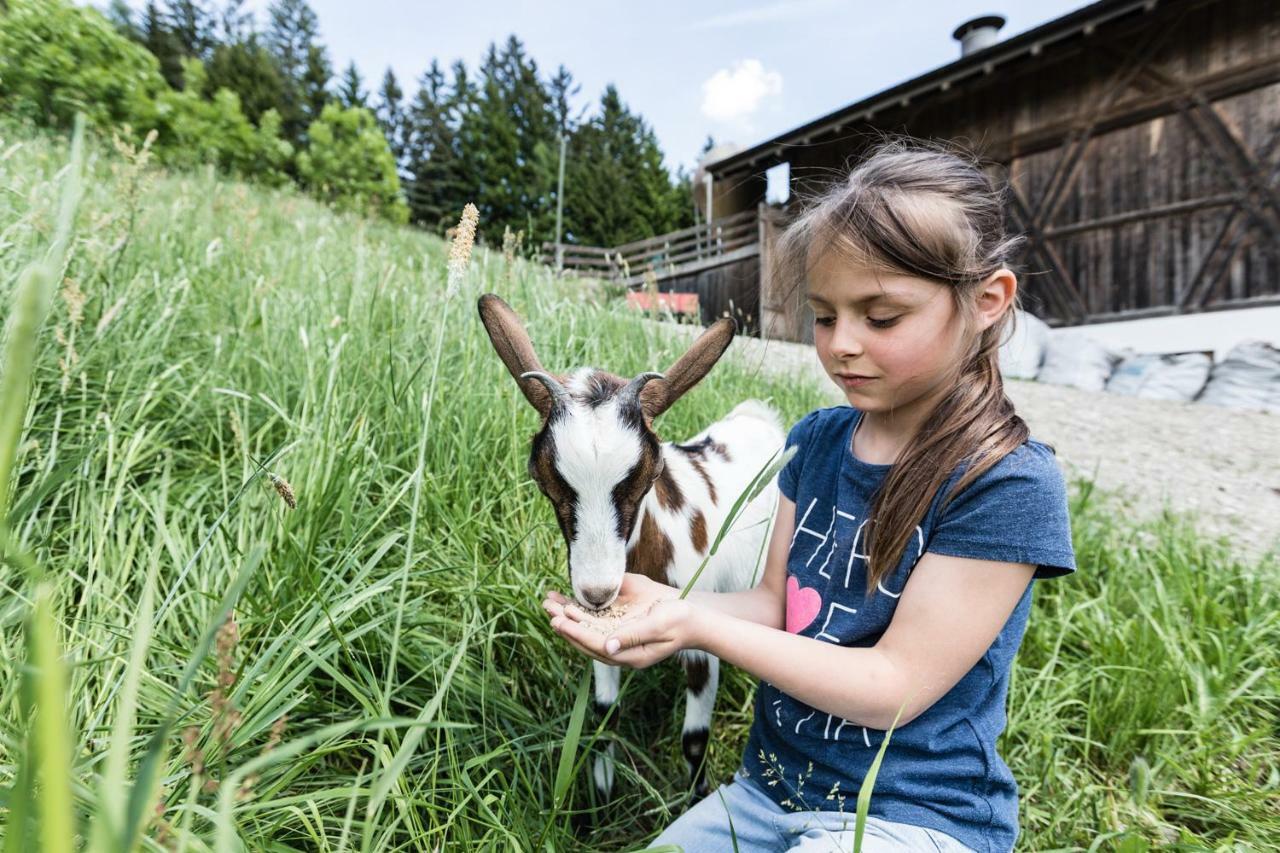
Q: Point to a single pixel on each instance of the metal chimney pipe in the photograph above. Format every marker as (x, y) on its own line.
(978, 33)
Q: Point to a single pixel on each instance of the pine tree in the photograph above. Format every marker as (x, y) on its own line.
(235, 25)
(560, 88)
(291, 37)
(617, 189)
(512, 136)
(351, 88)
(120, 14)
(191, 25)
(315, 82)
(247, 68)
(159, 39)
(390, 113)
(436, 185)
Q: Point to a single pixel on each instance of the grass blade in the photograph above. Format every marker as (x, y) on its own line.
(144, 788)
(869, 782)
(53, 741)
(110, 818)
(570, 749)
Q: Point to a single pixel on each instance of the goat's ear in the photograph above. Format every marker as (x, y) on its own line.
(660, 394)
(511, 341)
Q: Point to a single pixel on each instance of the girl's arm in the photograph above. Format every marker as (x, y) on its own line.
(950, 612)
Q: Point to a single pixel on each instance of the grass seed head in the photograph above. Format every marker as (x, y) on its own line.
(74, 299)
(460, 252)
(226, 717)
(284, 490)
(194, 756)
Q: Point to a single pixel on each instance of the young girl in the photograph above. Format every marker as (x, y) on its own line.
(911, 523)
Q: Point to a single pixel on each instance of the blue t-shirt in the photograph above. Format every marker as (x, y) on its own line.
(941, 769)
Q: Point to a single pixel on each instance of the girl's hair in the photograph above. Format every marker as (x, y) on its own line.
(926, 210)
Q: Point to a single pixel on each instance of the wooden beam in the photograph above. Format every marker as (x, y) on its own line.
(1069, 295)
(698, 266)
(1198, 290)
(1222, 84)
(1130, 67)
(1241, 167)
(1157, 212)
(672, 236)
(1172, 311)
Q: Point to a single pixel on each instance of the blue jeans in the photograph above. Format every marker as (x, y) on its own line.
(759, 824)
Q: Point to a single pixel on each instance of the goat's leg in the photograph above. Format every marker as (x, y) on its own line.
(607, 679)
(703, 674)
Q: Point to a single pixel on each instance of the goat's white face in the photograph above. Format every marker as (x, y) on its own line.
(595, 459)
(596, 456)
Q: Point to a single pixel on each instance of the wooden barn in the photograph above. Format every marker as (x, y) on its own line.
(1140, 140)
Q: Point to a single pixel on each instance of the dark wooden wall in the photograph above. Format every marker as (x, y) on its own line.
(1143, 160)
(731, 290)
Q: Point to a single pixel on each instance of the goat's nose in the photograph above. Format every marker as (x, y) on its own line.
(597, 596)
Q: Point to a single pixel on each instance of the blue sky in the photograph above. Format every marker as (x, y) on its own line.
(741, 71)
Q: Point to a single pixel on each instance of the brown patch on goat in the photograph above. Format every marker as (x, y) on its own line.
(653, 552)
(542, 468)
(702, 472)
(631, 490)
(719, 448)
(698, 532)
(669, 495)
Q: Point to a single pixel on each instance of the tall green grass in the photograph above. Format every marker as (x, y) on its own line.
(228, 334)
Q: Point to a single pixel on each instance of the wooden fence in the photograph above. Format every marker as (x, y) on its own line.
(679, 253)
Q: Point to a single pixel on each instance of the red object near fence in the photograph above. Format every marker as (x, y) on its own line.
(676, 303)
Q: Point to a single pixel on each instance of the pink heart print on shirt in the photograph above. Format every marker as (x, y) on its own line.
(803, 605)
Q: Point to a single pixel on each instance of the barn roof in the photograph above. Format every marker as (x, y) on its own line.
(1024, 48)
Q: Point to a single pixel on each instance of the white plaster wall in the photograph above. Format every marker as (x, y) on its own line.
(1214, 330)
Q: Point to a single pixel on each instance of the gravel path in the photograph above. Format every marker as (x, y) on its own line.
(1221, 466)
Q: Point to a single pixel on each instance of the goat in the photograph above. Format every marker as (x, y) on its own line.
(627, 502)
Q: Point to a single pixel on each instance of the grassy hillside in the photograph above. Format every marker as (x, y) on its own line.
(390, 682)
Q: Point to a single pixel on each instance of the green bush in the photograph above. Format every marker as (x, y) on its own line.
(349, 164)
(194, 131)
(57, 59)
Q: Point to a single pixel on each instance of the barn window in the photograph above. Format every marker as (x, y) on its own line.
(779, 186)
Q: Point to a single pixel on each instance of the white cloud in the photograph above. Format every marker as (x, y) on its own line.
(735, 93)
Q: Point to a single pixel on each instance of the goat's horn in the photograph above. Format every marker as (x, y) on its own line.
(628, 395)
(558, 393)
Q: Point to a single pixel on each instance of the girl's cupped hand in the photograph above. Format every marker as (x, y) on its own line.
(657, 625)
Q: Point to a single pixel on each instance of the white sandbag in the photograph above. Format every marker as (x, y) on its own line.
(1023, 352)
(1161, 377)
(1248, 378)
(1073, 358)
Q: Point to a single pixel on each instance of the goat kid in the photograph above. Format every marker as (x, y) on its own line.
(627, 502)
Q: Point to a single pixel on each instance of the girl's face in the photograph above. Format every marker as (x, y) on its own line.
(888, 341)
